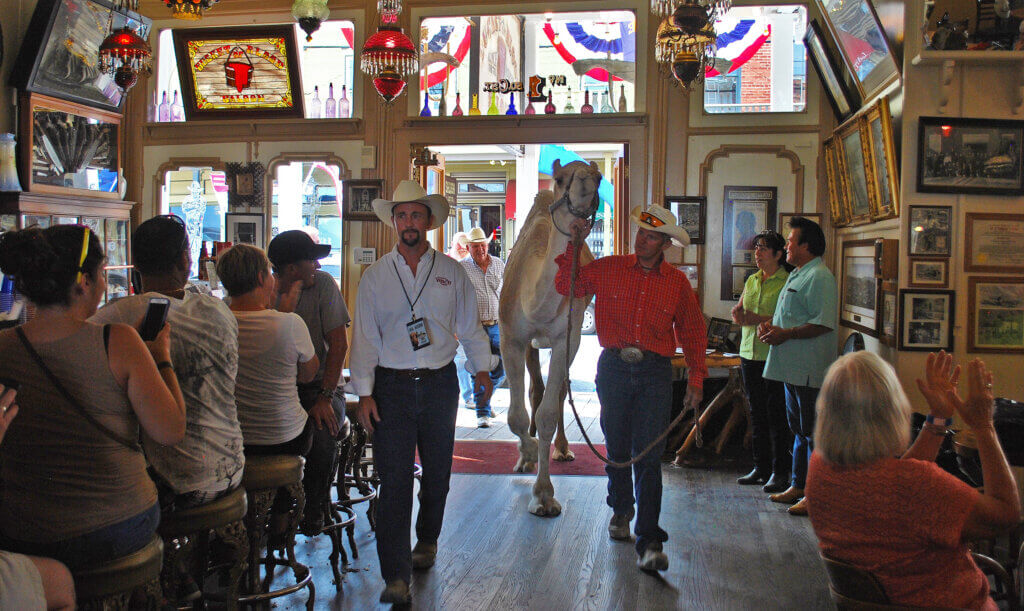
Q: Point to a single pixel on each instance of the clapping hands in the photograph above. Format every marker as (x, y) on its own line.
(976, 410)
(940, 378)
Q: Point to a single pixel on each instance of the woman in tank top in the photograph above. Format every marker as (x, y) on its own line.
(75, 486)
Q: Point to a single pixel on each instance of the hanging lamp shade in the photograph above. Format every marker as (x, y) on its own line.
(389, 56)
(124, 54)
(310, 14)
(190, 10)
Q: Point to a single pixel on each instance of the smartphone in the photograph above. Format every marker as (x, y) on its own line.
(156, 316)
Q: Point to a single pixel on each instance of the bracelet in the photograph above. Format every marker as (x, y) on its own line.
(943, 422)
(164, 365)
(326, 393)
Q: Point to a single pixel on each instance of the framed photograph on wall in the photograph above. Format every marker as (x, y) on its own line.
(926, 320)
(740, 273)
(747, 212)
(995, 314)
(859, 289)
(888, 309)
(994, 243)
(882, 148)
(862, 43)
(930, 231)
(245, 228)
(692, 274)
(784, 218)
(956, 155)
(691, 214)
(929, 273)
(856, 173)
(843, 101)
(359, 196)
(836, 193)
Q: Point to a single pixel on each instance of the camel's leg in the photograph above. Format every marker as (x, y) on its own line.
(562, 452)
(536, 385)
(544, 503)
(513, 352)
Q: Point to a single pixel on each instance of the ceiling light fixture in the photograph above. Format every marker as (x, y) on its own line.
(124, 54)
(310, 14)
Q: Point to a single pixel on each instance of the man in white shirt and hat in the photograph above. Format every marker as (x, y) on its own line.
(486, 272)
(412, 304)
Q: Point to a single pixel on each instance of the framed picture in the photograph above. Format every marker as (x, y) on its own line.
(856, 173)
(747, 212)
(836, 192)
(359, 196)
(994, 243)
(926, 320)
(885, 183)
(719, 335)
(842, 100)
(995, 314)
(246, 72)
(785, 217)
(862, 43)
(245, 228)
(930, 231)
(887, 312)
(692, 274)
(245, 183)
(61, 45)
(956, 155)
(929, 272)
(740, 273)
(859, 291)
(691, 214)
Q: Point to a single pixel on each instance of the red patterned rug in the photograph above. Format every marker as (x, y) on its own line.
(499, 457)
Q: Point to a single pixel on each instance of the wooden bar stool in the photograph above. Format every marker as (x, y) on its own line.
(338, 516)
(187, 531)
(113, 585)
(264, 478)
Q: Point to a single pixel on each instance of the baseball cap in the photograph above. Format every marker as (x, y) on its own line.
(295, 245)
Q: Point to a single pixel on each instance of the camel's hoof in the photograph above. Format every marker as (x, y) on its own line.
(524, 466)
(561, 456)
(545, 509)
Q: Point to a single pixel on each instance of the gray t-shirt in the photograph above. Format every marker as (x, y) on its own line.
(323, 309)
(204, 351)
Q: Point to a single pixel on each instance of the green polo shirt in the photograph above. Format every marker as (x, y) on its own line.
(759, 297)
(809, 296)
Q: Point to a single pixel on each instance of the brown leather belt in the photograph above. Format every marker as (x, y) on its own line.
(411, 374)
(488, 323)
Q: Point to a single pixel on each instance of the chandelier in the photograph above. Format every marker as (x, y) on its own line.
(309, 14)
(687, 53)
(389, 10)
(714, 8)
(191, 10)
(389, 56)
(123, 54)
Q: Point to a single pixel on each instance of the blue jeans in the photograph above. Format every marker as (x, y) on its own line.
(800, 414)
(465, 378)
(636, 405)
(483, 408)
(96, 547)
(414, 415)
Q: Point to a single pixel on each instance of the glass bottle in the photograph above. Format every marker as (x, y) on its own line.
(330, 104)
(442, 105)
(511, 105)
(425, 111)
(549, 108)
(204, 255)
(177, 112)
(493, 108)
(457, 111)
(622, 98)
(606, 102)
(569, 109)
(164, 110)
(530, 110)
(314, 104)
(474, 108)
(153, 112)
(344, 106)
(586, 109)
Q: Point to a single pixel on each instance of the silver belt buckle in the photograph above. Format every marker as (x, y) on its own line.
(631, 354)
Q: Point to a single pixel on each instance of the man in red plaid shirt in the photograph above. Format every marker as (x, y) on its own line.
(644, 308)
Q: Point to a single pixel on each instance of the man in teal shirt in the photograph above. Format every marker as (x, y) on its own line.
(802, 336)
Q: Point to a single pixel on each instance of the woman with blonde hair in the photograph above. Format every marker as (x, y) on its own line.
(903, 518)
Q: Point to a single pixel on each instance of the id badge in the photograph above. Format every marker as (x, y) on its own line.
(417, 330)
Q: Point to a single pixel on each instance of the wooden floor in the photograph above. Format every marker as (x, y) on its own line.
(587, 405)
(729, 548)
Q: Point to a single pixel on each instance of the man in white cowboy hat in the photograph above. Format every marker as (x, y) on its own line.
(486, 272)
(643, 308)
(412, 304)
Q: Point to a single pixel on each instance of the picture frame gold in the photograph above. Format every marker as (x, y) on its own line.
(856, 172)
(836, 194)
(882, 155)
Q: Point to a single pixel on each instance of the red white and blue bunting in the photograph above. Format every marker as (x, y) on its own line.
(742, 39)
(593, 40)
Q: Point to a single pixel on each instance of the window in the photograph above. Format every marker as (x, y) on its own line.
(761, 49)
(200, 197)
(305, 196)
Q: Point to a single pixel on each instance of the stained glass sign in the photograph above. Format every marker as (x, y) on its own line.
(239, 72)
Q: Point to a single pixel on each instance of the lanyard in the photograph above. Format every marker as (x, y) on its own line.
(412, 304)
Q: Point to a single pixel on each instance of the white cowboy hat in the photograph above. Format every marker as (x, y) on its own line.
(657, 218)
(476, 235)
(410, 191)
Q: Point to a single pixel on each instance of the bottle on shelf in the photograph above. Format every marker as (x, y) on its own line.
(330, 104)
(204, 256)
(344, 106)
(153, 112)
(177, 112)
(314, 104)
(442, 105)
(164, 110)
(474, 108)
(457, 111)
(549, 108)
(530, 110)
(586, 109)
(569, 109)
(622, 98)
(606, 102)
(511, 105)
(493, 108)
(425, 111)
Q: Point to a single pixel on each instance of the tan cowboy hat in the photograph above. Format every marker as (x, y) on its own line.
(410, 191)
(476, 235)
(657, 218)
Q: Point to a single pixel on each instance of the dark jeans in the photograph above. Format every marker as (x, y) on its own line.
(800, 413)
(770, 433)
(316, 480)
(636, 402)
(497, 375)
(96, 547)
(301, 445)
(414, 415)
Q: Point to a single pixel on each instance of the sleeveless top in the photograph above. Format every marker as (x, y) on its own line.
(61, 476)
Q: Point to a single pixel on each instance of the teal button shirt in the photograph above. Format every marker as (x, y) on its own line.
(760, 297)
(808, 297)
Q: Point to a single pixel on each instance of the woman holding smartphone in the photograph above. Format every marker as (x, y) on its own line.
(75, 482)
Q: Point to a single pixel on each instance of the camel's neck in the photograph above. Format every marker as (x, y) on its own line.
(557, 242)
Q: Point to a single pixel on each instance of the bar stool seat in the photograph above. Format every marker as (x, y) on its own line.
(271, 472)
(112, 584)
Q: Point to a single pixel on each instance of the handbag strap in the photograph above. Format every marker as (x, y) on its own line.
(131, 445)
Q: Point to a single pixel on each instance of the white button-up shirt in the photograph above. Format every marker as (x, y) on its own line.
(447, 304)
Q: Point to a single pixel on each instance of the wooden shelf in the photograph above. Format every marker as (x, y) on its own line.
(947, 61)
(246, 130)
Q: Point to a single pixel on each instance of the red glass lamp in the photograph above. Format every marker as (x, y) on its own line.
(389, 56)
(124, 54)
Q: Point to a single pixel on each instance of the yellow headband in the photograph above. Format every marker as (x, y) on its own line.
(85, 253)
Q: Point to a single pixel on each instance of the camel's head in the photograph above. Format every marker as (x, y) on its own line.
(578, 183)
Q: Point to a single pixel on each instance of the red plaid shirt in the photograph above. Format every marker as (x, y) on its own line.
(655, 311)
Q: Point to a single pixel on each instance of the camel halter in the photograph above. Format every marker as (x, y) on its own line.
(629, 463)
(578, 213)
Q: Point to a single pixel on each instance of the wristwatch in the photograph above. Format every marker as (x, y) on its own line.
(325, 393)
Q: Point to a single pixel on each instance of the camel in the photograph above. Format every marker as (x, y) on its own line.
(533, 315)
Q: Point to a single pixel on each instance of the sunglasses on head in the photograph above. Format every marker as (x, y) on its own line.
(650, 219)
(177, 220)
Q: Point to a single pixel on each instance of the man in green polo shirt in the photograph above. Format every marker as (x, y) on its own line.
(802, 336)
